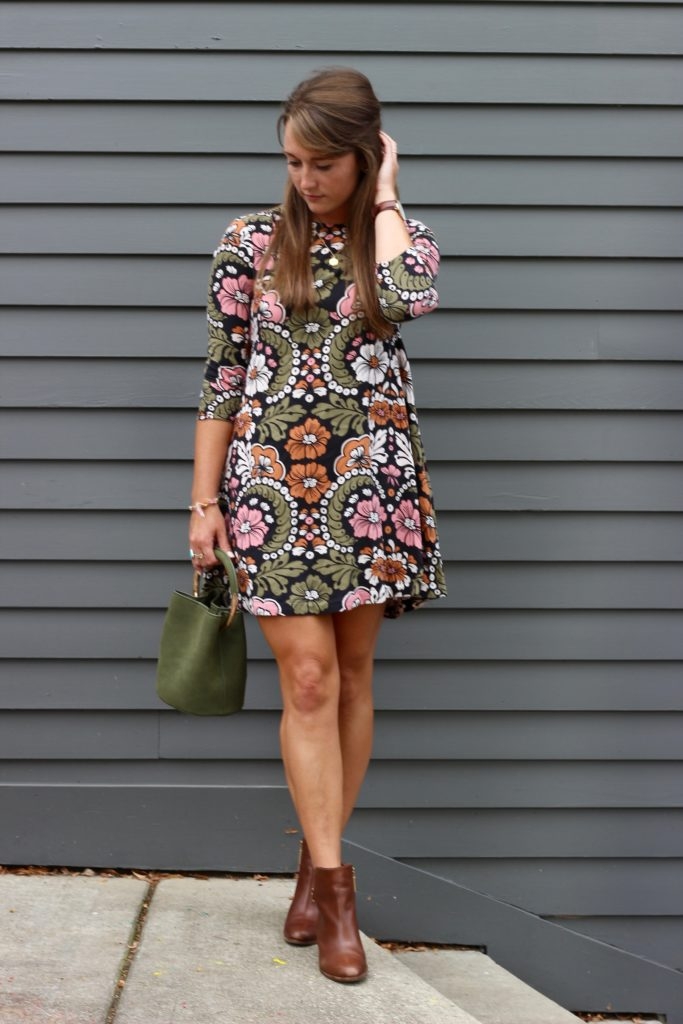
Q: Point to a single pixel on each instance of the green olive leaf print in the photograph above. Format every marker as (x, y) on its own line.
(274, 575)
(339, 531)
(282, 352)
(338, 571)
(339, 347)
(343, 418)
(276, 419)
(281, 514)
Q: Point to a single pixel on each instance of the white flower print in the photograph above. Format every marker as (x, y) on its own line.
(372, 363)
(258, 375)
(378, 444)
(404, 452)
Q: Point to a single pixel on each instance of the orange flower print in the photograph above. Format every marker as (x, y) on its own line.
(308, 480)
(243, 422)
(308, 440)
(428, 520)
(355, 455)
(266, 464)
(399, 415)
(380, 412)
(389, 570)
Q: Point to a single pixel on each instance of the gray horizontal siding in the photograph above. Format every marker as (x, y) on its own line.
(499, 78)
(408, 736)
(482, 335)
(439, 384)
(655, 938)
(468, 436)
(135, 584)
(176, 230)
(548, 635)
(638, 487)
(481, 536)
(564, 887)
(238, 127)
(444, 28)
(454, 684)
(444, 784)
(244, 182)
(521, 283)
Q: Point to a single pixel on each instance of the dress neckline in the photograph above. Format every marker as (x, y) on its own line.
(322, 230)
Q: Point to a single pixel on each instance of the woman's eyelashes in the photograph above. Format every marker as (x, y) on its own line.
(295, 164)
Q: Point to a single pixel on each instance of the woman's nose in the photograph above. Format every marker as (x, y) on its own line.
(307, 178)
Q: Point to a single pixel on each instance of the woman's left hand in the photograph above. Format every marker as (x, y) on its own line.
(387, 176)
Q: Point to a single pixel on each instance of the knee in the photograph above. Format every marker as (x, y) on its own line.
(310, 686)
(355, 684)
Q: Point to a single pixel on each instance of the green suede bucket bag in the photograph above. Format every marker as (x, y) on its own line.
(202, 666)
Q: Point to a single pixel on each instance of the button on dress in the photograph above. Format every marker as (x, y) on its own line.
(326, 491)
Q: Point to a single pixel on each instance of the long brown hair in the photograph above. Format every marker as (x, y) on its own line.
(333, 112)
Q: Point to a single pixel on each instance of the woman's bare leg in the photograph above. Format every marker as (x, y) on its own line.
(356, 635)
(325, 666)
(305, 651)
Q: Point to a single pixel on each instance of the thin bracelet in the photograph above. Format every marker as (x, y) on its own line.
(199, 506)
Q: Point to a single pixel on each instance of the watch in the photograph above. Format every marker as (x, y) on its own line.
(388, 204)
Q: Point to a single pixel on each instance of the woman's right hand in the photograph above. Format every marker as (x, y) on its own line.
(206, 533)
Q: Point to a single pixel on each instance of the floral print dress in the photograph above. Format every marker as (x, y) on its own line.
(326, 492)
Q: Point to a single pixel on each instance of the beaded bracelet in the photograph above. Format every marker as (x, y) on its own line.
(199, 506)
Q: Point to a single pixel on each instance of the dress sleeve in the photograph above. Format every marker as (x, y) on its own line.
(231, 287)
(405, 284)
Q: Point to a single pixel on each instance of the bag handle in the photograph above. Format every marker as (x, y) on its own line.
(226, 561)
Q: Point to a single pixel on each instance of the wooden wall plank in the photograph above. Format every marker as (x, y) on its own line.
(232, 127)
(544, 335)
(517, 283)
(254, 184)
(138, 584)
(420, 736)
(450, 685)
(548, 636)
(166, 435)
(543, 537)
(186, 230)
(482, 78)
(445, 28)
(442, 784)
(461, 486)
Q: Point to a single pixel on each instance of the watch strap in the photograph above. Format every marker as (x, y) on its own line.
(388, 204)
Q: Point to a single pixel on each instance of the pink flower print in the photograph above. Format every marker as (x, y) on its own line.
(426, 304)
(368, 518)
(249, 528)
(357, 597)
(265, 606)
(271, 309)
(407, 523)
(426, 257)
(347, 304)
(259, 242)
(230, 379)
(234, 296)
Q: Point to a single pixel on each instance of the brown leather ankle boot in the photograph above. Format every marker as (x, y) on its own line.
(302, 917)
(340, 951)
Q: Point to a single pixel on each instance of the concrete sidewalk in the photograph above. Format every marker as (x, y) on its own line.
(114, 950)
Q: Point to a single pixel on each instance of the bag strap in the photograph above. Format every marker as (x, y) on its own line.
(227, 562)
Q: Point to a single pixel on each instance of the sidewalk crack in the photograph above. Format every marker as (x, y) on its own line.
(133, 945)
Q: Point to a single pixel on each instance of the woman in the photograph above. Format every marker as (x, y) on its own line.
(308, 460)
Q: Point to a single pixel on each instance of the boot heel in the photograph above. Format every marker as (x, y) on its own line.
(340, 950)
(302, 916)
